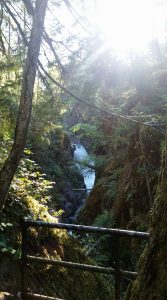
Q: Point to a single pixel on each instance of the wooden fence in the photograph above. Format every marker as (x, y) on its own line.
(116, 271)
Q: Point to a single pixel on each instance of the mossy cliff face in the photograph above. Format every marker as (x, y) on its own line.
(54, 154)
(151, 281)
(125, 189)
(126, 185)
(30, 197)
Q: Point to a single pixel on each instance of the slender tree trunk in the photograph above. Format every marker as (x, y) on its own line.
(10, 166)
(151, 283)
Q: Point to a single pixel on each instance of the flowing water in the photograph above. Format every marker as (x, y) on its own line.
(84, 164)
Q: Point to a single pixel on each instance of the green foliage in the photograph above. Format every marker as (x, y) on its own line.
(32, 190)
(105, 220)
(5, 242)
(136, 90)
(10, 80)
(98, 247)
(3, 245)
(85, 129)
(31, 195)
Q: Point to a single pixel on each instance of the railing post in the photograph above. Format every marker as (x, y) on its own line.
(117, 269)
(24, 228)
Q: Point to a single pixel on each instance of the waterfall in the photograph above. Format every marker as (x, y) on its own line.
(85, 166)
(82, 159)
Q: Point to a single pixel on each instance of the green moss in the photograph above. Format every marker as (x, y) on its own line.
(29, 197)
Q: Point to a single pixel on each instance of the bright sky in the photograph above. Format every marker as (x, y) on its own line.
(125, 25)
(130, 24)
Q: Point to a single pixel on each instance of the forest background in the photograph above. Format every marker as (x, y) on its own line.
(114, 103)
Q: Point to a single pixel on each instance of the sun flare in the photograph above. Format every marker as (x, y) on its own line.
(130, 25)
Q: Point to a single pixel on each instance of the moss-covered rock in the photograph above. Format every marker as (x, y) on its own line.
(151, 281)
(127, 185)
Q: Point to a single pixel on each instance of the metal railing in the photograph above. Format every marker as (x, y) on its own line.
(116, 271)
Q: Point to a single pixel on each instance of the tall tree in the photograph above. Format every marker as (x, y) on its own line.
(151, 281)
(10, 166)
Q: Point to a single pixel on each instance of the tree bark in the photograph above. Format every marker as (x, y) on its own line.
(151, 283)
(10, 166)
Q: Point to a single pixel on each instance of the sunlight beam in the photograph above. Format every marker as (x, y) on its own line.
(131, 24)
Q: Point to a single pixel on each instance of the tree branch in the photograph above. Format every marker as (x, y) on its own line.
(73, 12)
(48, 40)
(11, 164)
(64, 89)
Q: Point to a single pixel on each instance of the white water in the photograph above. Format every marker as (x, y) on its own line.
(81, 156)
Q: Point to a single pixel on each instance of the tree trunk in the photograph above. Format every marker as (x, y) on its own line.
(151, 283)
(10, 166)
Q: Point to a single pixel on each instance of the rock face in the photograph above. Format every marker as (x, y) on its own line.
(55, 156)
(126, 186)
(151, 281)
(73, 199)
(124, 191)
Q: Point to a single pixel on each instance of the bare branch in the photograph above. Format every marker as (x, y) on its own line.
(17, 23)
(73, 12)
(48, 40)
